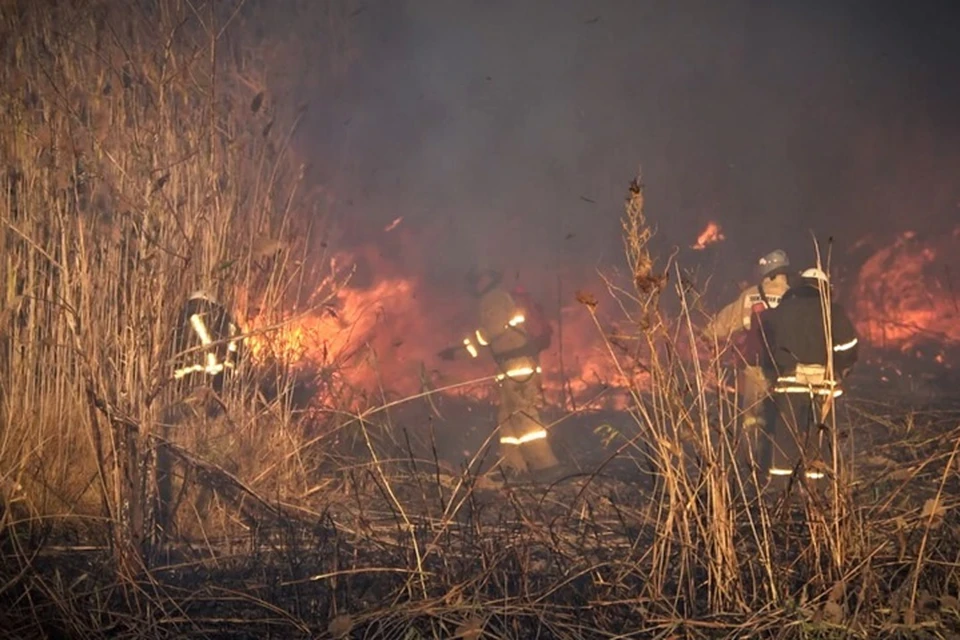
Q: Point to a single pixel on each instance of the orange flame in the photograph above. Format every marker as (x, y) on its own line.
(385, 336)
(905, 296)
(711, 234)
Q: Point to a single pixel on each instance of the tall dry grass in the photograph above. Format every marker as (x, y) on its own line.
(145, 157)
(691, 431)
(717, 548)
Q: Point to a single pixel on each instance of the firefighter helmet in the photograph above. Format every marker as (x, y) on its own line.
(815, 274)
(482, 281)
(203, 294)
(772, 264)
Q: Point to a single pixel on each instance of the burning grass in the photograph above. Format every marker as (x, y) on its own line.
(370, 515)
(908, 297)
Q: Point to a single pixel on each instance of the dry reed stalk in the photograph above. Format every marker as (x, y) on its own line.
(136, 172)
(706, 526)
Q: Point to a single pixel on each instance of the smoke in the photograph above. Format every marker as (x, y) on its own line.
(506, 132)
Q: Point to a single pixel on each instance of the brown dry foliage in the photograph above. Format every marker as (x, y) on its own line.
(134, 171)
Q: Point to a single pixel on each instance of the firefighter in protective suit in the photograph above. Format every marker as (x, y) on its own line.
(805, 365)
(206, 351)
(206, 343)
(514, 331)
(736, 321)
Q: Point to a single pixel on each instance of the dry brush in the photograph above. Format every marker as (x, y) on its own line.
(145, 157)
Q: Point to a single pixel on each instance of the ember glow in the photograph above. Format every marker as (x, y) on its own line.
(711, 234)
(907, 296)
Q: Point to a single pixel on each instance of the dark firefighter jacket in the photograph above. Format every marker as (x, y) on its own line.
(206, 342)
(794, 334)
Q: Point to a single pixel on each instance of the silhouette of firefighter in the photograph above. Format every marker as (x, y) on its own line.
(206, 343)
(739, 322)
(514, 331)
(805, 360)
(206, 351)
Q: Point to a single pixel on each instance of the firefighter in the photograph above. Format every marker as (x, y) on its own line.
(737, 321)
(206, 343)
(805, 369)
(513, 329)
(206, 351)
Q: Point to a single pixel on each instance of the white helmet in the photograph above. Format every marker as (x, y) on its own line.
(202, 294)
(813, 273)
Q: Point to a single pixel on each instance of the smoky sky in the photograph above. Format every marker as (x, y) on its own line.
(512, 128)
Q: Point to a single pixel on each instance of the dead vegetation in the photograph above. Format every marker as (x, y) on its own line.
(148, 157)
(144, 160)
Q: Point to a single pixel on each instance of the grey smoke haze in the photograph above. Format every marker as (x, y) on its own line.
(495, 121)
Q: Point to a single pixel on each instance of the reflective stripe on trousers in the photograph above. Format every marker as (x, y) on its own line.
(783, 472)
(530, 436)
(518, 373)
